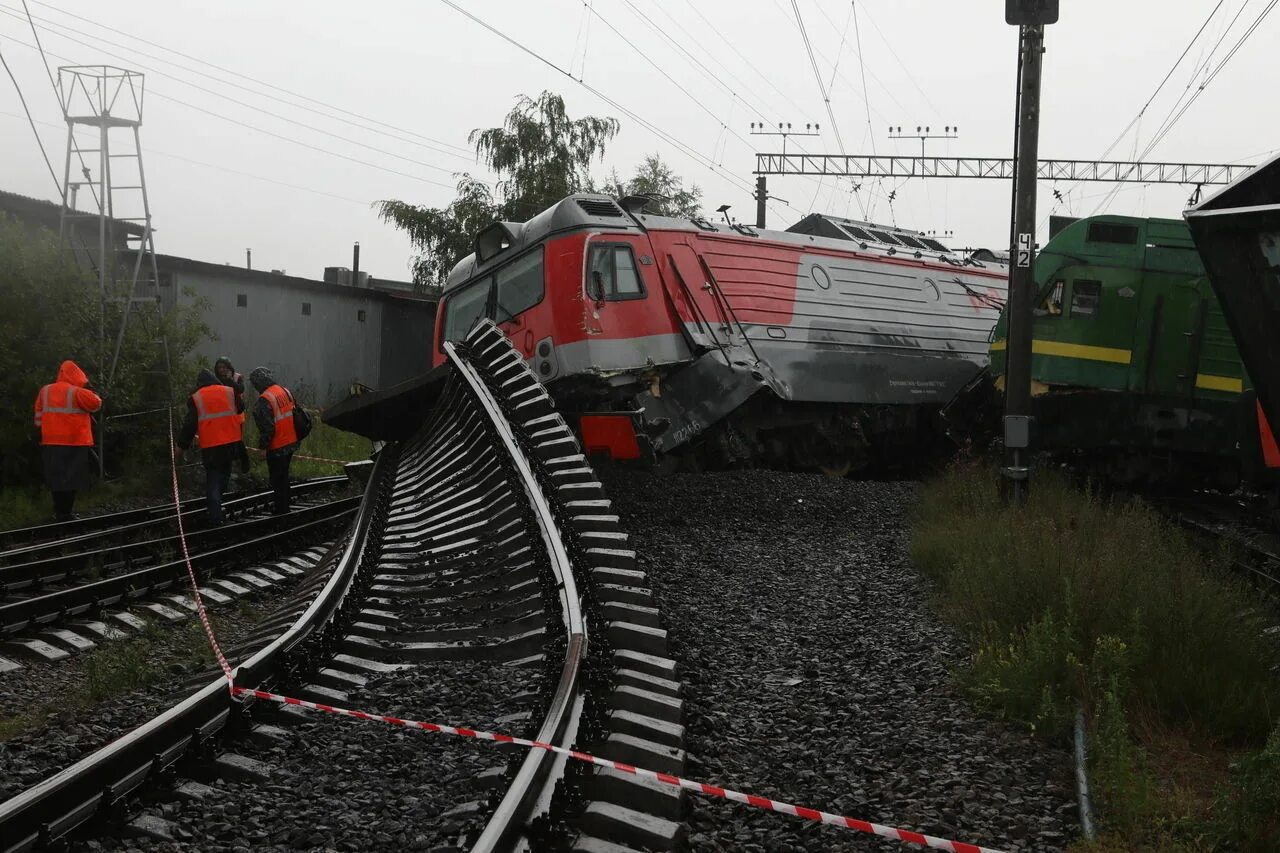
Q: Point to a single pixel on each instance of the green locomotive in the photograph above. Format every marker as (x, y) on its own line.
(1134, 370)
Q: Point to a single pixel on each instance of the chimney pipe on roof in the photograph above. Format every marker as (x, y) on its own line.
(355, 265)
(248, 259)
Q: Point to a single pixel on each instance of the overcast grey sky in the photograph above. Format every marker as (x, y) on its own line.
(415, 76)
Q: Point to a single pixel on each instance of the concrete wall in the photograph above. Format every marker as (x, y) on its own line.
(350, 334)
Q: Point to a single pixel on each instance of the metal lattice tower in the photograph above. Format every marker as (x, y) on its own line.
(113, 236)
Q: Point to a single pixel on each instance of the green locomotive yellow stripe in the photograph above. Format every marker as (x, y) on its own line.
(1083, 351)
(1219, 383)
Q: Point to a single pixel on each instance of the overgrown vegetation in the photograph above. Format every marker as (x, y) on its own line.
(50, 311)
(1077, 599)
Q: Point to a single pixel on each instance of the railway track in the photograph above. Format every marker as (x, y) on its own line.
(21, 543)
(1212, 520)
(43, 586)
(483, 549)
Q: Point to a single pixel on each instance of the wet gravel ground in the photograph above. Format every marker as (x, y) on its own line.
(63, 730)
(816, 673)
(342, 785)
(62, 722)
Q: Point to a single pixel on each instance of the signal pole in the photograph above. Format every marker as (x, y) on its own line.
(784, 130)
(1015, 476)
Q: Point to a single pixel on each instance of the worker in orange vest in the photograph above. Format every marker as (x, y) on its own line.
(273, 414)
(213, 417)
(66, 434)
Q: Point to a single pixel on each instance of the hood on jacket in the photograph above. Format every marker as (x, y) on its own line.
(221, 361)
(262, 378)
(206, 377)
(71, 372)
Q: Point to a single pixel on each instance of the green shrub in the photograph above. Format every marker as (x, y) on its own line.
(1250, 805)
(118, 668)
(1037, 588)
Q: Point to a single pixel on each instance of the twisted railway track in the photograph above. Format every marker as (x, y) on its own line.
(485, 542)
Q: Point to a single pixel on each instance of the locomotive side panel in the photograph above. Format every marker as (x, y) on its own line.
(843, 328)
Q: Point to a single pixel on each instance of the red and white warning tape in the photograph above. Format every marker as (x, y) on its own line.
(263, 453)
(191, 572)
(765, 803)
(666, 778)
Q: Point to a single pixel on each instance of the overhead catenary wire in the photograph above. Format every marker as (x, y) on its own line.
(40, 142)
(710, 75)
(290, 140)
(1164, 131)
(57, 93)
(822, 90)
(1181, 107)
(685, 148)
(246, 105)
(463, 151)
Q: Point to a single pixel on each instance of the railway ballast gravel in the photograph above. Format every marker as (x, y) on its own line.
(815, 671)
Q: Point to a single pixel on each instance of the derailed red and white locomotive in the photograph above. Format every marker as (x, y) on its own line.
(826, 345)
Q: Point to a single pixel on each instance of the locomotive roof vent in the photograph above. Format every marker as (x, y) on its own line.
(637, 203)
(496, 239)
(600, 207)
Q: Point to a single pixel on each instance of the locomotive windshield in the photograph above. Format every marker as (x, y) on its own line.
(501, 296)
(465, 307)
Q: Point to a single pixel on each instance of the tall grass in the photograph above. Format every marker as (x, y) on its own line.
(1079, 599)
(1071, 575)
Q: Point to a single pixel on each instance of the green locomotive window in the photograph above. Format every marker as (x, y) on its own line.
(1085, 296)
(1053, 303)
(1112, 232)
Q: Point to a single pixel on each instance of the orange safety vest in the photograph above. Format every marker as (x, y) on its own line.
(216, 419)
(61, 420)
(282, 415)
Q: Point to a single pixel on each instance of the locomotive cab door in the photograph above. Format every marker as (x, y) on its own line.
(627, 328)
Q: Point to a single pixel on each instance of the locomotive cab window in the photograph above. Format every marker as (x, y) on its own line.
(1112, 232)
(612, 275)
(1085, 296)
(1053, 301)
(464, 307)
(520, 287)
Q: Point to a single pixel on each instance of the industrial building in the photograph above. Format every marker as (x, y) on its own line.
(319, 337)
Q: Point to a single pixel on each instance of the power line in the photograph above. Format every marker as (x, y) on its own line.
(1180, 108)
(866, 13)
(56, 183)
(241, 103)
(651, 127)
(461, 151)
(290, 140)
(84, 167)
(225, 169)
(817, 75)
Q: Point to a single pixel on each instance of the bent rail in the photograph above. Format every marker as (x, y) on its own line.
(530, 791)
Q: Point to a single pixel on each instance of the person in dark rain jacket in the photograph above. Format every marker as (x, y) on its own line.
(274, 416)
(228, 376)
(213, 416)
(62, 412)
